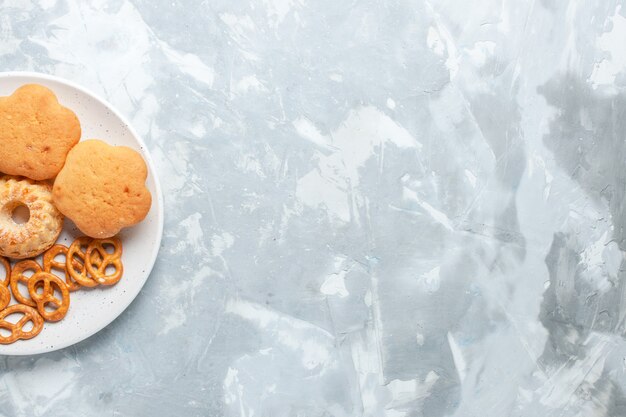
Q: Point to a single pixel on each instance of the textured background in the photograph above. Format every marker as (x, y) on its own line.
(373, 208)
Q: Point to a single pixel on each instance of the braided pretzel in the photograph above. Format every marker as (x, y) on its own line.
(17, 276)
(104, 259)
(5, 296)
(78, 270)
(48, 281)
(49, 264)
(30, 314)
(7, 271)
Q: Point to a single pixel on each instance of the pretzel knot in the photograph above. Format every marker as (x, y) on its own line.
(7, 271)
(75, 262)
(16, 330)
(17, 276)
(48, 281)
(49, 263)
(98, 259)
(5, 296)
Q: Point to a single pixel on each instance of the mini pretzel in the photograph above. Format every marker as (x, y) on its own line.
(48, 281)
(78, 271)
(17, 276)
(30, 314)
(96, 266)
(5, 296)
(7, 271)
(49, 263)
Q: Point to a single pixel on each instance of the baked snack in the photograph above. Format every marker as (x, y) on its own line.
(101, 188)
(57, 307)
(17, 277)
(7, 271)
(43, 226)
(5, 297)
(98, 260)
(16, 330)
(50, 263)
(76, 262)
(36, 133)
(88, 259)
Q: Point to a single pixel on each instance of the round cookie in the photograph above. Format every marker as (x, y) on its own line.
(36, 133)
(44, 224)
(102, 188)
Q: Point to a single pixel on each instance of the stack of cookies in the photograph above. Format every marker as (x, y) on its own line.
(49, 174)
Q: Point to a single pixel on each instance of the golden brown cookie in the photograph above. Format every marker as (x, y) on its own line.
(102, 188)
(36, 133)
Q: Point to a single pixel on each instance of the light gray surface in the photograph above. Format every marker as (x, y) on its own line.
(378, 208)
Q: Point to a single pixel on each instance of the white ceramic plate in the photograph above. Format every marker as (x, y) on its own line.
(93, 309)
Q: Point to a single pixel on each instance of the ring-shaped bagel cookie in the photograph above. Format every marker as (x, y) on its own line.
(41, 230)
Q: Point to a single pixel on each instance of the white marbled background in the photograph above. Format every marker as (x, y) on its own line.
(373, 208)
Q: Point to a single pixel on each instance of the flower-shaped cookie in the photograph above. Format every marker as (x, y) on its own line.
(102, 188)
(36, 133)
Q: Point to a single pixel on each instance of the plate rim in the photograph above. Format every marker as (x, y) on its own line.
(159, 199)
